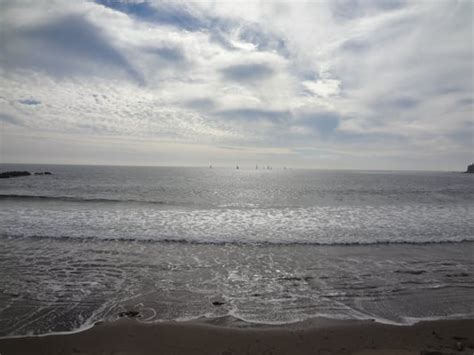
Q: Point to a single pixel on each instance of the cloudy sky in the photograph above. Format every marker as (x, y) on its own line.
(340, 84)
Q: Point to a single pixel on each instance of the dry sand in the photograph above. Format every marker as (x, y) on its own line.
(128, 336)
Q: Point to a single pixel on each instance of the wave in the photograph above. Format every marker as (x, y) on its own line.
(74, 199)
(237, 242)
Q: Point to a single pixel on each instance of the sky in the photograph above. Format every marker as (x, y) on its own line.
(362, 84)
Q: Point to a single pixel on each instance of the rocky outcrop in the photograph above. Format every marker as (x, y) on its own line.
(10, 174)
(470, 169)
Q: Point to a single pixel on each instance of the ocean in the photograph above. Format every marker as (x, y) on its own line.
(239, 247)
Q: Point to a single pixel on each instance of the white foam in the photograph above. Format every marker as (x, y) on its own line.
(323, 225)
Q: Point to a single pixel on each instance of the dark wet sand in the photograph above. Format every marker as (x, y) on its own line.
(128, 336)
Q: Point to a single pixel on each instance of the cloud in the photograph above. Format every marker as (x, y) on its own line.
(253, 114)
(5, 117)
(323, 123)
(201, 104)
(165, 13)
(263, 40)
(64, 46)
(349, 10)
(340, 79)
(172, 54)
(323, 87)
(247, 72)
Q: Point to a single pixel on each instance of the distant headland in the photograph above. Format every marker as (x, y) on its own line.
(470, 169)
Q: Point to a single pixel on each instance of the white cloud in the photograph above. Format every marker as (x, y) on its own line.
(323, 87)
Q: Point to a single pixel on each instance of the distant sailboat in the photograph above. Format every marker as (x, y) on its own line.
(256, 167)
(237, 167)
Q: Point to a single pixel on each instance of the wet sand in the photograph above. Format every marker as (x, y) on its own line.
(128, 336)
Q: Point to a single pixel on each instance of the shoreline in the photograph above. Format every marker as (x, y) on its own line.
(232, 322)
(315, 336)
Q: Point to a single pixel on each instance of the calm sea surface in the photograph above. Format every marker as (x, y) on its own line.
(273, 246)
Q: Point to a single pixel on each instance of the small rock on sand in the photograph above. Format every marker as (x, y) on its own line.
(129, 314)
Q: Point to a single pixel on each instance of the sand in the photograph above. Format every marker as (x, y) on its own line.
(129, 336)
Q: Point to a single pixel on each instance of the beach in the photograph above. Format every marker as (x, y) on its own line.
(311, 337)
(219, 261)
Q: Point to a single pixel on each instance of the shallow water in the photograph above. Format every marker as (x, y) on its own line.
(274, 246)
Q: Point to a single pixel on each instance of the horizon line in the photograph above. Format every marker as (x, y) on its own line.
(241, 167)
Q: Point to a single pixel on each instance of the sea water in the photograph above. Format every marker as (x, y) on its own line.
(261, 246)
